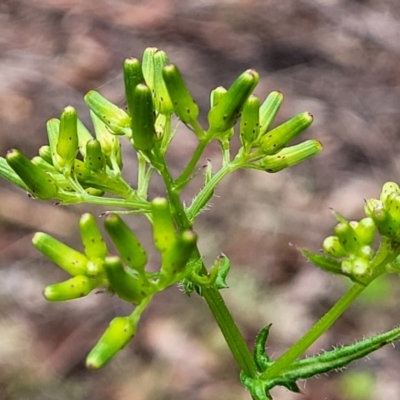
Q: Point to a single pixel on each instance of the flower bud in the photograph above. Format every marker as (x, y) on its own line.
(91, 237)
(224, 114)
(122, 283)
(40, 184)
(215, 98)
(94, 158)
(148, 66)
(143, 130)
(74, 288)
(347, 237)
(279, 137)
(184, 106)
(268, 111)
(365, 231)
(250, 122)
(118, 334)
(132, 77)
(175, 258)
(387, 189)
(333, 247)
(127, 244)
(290, 156)
(162, 100)
(65, 257)
(83, 137)
(7, 173)
(67, 141)
(114, 117)
(163, 226)
(45, 153)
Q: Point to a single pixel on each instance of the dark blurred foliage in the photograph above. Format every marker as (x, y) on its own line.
(338, 59)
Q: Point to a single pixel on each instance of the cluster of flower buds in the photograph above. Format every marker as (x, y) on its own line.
(73, 165)
(349, 252)
(124, 275)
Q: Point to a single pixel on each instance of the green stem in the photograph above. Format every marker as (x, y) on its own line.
(314, 333)
(187, 172)
(229, 329)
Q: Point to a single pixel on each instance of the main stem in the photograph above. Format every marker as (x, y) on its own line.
(223, 317)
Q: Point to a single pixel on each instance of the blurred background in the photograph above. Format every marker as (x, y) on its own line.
(338, 59)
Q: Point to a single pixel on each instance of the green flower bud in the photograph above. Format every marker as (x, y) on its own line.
(184, 106)
(333, 247)
(162, 100)
(94, 159)
(370, 206)
(53, 129)
(65, 257)
(357, 267)
(392, 204)
(268, 111)
(143, 130)
(347, 237)
(148, 66)
(110, 145)
(67, 141)
(250, 122)
(40, 184)
(225, 113)
(127, 244)
(279, 137)
(114, 117)
(45, 153)
(7, 173)
(163, 225)
(365, 231)
(91, 237)
(74, 288)
(175, 258)
(122, 283)
(116, 337)
(387, 189)
(290, 156)
(132, 77)
(215, 98)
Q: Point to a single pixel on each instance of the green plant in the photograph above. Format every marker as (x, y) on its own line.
(76, 167)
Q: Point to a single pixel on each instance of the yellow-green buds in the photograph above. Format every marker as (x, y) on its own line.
(163, 226)
(290, 156)
(40, 184)
(279, 137)
(250, 122)
(143, 130)
(45, 153)
(110, 145)
(91, 237)
(385, 212)
(114, 117)
(9, 174)
(122, 282)
(162, 100)
(74, 288)
(175, 258)
(148, 66)
(127, 244)
(184, 106)
(94, 158)
(224, 114)
(65, 257)
(268, 110)
(67, 141)
(333, 247)
(118, 334)
(132, 77)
